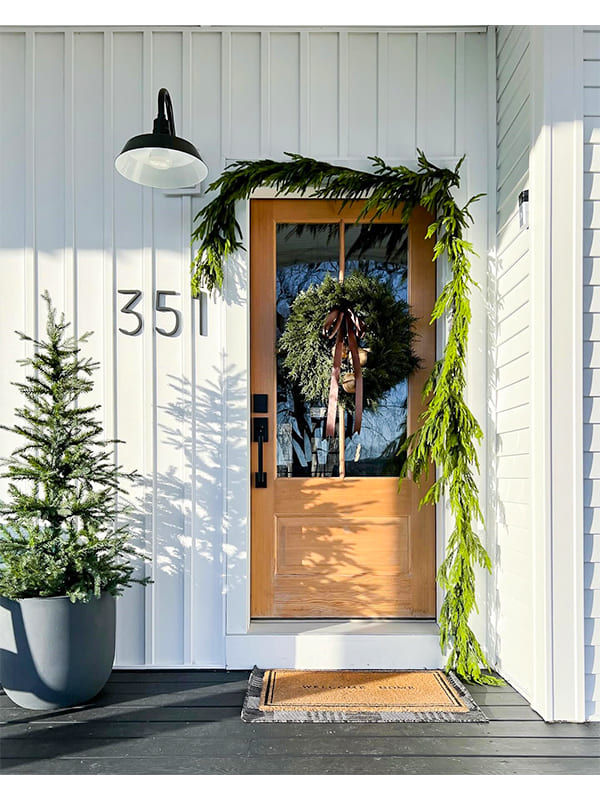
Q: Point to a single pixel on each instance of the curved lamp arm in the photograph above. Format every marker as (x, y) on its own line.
(164, 124)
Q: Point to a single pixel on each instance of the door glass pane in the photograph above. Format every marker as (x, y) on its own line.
(305, 254)
(380, 251)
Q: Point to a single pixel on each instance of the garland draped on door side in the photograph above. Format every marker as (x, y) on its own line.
(449, 432)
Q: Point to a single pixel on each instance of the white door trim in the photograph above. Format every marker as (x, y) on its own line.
(396, 645)
(405, 644)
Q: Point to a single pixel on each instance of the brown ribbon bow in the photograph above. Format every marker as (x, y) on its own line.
(343, 325)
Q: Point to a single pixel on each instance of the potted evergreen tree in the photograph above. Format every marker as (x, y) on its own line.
(63, 556)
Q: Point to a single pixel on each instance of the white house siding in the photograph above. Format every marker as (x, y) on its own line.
(69, 223)
(511, 314)
(591, 364)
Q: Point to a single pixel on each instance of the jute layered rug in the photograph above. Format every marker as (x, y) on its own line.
(281, 695)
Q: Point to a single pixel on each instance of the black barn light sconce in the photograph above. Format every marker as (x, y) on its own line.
(161, 159)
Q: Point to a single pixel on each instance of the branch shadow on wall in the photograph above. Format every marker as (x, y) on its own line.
(180, 521)
(189, 505)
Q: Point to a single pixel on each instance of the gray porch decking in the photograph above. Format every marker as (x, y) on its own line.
(188, 722)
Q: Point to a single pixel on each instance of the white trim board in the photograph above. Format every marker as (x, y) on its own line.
(556, 200)
(208, 29)
(326, 650)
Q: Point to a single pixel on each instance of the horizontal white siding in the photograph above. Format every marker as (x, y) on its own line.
(591, 371)
(513, 362)
(69, 223)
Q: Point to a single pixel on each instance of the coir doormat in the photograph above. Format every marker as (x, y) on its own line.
(282, 695)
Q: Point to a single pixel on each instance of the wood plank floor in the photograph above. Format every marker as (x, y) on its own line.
(188, 722)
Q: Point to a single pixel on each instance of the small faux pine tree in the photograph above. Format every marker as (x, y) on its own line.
(59, 533)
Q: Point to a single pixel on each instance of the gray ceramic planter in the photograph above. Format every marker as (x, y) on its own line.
(55, 653)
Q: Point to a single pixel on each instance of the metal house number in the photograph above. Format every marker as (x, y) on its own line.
(160, 305)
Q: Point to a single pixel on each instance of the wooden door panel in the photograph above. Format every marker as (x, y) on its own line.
(337, 547)
(365, 596)
(342, 547)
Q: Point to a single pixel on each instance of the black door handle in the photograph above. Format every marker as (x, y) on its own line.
(260, 435)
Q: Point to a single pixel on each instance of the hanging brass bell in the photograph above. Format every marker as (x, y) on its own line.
(345, 351)
(363, 354)
(349, 383)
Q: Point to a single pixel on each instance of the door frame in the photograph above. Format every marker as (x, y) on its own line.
(395, 644)
(268, 513)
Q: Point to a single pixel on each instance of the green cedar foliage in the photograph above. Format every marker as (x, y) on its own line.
(449, 433)
(59, 534)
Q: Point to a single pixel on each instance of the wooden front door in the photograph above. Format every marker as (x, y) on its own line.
(331, 535)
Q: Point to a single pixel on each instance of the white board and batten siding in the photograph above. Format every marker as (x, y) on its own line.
(591, 364)
(70, 224)
(511, 337)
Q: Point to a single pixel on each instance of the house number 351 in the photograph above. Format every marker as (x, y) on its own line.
(160, 305)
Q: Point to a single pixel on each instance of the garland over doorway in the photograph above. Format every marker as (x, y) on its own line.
(449, 432)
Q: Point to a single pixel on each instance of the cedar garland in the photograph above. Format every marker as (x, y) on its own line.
(449, 432)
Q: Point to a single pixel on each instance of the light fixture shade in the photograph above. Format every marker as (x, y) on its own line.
(161, 159)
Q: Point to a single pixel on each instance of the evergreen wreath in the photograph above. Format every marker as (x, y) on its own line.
(388, 338)
(449, 433)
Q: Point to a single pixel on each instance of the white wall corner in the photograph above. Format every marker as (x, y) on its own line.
(556, 201)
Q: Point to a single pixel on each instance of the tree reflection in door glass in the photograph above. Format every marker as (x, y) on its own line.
(305, 254)
(380, 251)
